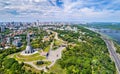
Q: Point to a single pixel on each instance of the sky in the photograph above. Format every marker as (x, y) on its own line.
(60, 10)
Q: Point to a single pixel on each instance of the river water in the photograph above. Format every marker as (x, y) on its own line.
(112, 34)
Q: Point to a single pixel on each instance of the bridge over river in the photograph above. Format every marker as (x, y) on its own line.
(105, 30)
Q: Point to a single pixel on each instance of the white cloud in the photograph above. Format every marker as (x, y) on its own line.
(87, 10)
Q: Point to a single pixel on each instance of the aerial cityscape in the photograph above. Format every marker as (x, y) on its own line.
(59, 37)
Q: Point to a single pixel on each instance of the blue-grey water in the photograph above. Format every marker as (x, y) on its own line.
(114, 34)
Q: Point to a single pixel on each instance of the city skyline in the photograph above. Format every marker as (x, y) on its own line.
(60, 10)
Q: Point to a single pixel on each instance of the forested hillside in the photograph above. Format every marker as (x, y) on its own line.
(88, 56)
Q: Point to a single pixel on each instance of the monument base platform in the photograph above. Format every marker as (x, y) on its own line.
(27, 54)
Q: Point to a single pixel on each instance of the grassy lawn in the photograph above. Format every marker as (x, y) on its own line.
(57, 42)
(30, 68)
(28, 58)
(47, 49)
(12, 55)
(56, 69)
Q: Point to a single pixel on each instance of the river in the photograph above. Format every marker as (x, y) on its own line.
(114, 36)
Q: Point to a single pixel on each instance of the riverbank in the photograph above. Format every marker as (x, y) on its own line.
(116, 44)
(111, 36)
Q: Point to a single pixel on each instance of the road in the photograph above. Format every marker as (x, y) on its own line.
(112, 51)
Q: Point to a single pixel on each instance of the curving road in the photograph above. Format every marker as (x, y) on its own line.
(112, 51)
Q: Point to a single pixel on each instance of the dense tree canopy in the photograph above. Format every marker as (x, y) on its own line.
(89, 57)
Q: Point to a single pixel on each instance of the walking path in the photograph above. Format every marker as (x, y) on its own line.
(54, 55)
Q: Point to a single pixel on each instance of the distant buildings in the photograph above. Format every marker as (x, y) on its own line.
(68, 28)
(17, 43)
(18, 28)
(2, 28)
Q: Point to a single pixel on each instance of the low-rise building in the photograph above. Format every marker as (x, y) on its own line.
(2, 28)
(17, 43)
